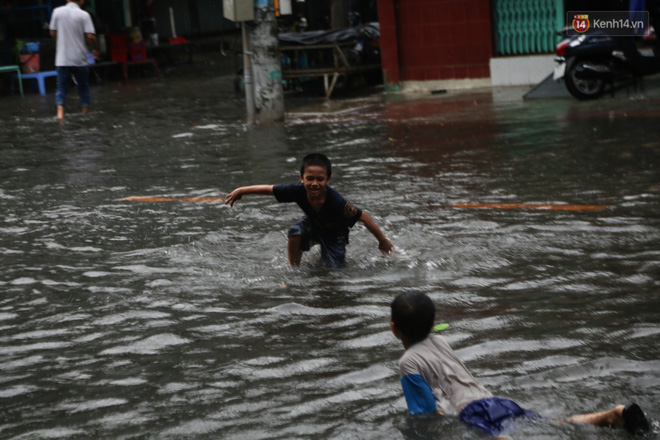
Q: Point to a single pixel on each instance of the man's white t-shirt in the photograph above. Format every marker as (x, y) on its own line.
(71, 24)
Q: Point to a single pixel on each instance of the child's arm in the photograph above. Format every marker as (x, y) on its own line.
(418, 394)
(236, 194)
(384, 244)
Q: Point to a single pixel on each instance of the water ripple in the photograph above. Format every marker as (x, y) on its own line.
(150, 345)
(168, 320)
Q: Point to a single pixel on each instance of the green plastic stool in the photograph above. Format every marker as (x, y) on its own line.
(18, 74)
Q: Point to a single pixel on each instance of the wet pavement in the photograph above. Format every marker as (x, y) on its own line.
(182, 319)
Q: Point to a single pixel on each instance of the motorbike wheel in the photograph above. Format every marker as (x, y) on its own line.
(583, 89)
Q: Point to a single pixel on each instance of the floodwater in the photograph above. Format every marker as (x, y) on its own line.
(129, 320)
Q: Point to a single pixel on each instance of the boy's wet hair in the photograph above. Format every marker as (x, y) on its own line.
(316, 159)
(413, 314)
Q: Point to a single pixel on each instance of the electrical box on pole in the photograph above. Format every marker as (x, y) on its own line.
(283, 7)
(243, 11)
(238, 10)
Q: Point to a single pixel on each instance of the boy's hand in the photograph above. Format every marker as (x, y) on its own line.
(233, 196)
(236, 194)
(386, 246)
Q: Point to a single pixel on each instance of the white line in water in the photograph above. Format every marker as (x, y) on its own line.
(348, 110)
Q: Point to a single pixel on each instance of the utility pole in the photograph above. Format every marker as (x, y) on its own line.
(266, 64)
(247, 76)
(262, 67)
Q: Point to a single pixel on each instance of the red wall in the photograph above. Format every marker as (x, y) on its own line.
(434, 39)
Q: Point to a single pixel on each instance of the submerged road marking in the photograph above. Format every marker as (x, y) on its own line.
(336, 112)
(172, 199)
(541, 206)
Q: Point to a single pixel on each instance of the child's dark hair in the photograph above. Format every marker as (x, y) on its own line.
(316, 159)
(413, 314)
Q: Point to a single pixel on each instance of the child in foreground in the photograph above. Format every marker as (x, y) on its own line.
(435, 380)
(328, 216)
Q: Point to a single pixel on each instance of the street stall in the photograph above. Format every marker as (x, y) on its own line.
(331, 55)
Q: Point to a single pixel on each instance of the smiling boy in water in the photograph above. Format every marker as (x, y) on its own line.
(328, 216)
(434, 380)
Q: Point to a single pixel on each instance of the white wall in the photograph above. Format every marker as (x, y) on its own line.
(521, 70)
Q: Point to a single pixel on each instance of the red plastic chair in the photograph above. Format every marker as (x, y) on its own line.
(118, 48)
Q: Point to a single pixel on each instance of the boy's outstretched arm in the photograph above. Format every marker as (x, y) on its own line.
(384, 244)
(236, 194)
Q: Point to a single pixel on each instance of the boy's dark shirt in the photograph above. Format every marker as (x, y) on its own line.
(334, 218)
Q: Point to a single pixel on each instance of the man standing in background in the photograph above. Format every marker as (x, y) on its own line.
(71, 27)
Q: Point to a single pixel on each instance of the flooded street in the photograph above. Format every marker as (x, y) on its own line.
(127, 320)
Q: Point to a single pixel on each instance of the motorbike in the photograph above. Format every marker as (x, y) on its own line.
(593, 64)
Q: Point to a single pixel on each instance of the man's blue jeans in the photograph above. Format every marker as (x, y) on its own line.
(81, 74)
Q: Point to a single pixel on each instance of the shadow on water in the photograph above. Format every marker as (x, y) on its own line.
(170, 320)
